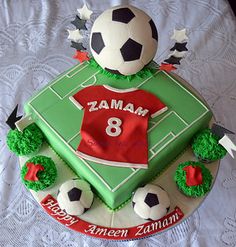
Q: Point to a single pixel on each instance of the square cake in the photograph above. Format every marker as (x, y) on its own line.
(168, 133)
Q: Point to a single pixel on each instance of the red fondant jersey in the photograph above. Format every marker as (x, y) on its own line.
(115, 122)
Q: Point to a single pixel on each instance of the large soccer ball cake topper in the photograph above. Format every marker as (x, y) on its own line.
(123, 40)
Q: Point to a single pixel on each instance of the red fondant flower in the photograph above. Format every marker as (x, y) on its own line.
(193, 175)
(33, 169)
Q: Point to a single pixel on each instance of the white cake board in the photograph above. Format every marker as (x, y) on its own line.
(100, 215)
(100, 222)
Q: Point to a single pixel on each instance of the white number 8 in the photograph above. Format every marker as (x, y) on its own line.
(114, 123)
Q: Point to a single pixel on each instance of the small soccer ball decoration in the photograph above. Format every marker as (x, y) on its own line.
(75, 197)
(151, 202)
(123, 40)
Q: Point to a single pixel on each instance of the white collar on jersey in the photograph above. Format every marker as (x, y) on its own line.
(120, 90)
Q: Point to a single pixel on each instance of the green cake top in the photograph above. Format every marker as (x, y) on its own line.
(38, 173)
(197, 190)
(206, 147)
(26, 142)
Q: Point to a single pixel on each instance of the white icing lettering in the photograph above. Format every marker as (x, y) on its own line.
(141, 112)
(153, 227)
(50, 203)
(173, 218)
(139, 232)
(107, 232)
(59, 213)
(66, 217)
(92, 106)
(114, 124)
(116, 104)
(73, 221)
(129, 107)
(103, 105)
(165, 223)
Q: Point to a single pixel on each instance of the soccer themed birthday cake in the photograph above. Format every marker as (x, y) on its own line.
(119, 147)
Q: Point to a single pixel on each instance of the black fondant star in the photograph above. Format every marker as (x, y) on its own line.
(173, 60)
(180, 47)
(79, 24)
(77, 46)
(12, 119)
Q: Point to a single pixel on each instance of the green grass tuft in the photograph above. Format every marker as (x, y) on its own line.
(46, 177)
(206, 147)
(193, 191)
(148, 70)
(26, 142)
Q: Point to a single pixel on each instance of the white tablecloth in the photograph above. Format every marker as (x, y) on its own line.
(34, 49)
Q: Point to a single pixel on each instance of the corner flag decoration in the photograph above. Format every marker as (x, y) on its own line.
(224, 141)
(12, 119)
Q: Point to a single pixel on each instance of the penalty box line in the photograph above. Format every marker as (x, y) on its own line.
(166, 116)
(81, 84)
(58, 79)
(152, 148)
(167, 135)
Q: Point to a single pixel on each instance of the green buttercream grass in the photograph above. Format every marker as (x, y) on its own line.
(26, 142)
(46, 177)
(146, 71)
(206, 147)
(193, 191)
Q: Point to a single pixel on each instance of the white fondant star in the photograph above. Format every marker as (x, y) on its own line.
(179, 35)
(85, 12)
(74, 35)
(176, 53)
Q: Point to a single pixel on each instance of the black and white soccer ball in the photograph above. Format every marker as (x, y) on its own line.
(151, 202)
(123, 40)
(75, 197)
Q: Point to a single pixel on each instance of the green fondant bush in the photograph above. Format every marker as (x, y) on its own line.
(206, 147)
(193, 191)
(146, 71)
(26, 142)
(46, 177)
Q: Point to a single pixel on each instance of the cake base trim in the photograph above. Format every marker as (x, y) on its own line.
(50, 205)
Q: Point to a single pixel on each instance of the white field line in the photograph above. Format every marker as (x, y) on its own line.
(58, 79)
